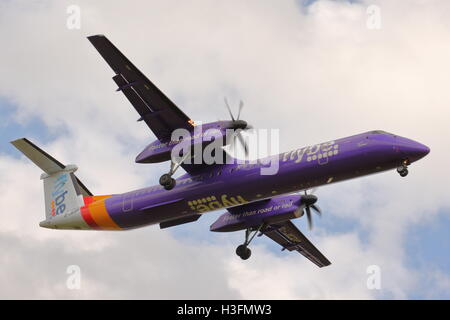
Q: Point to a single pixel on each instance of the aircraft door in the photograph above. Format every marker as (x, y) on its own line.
(127, 202)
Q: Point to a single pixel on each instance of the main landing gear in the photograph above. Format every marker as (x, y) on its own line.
(403, 168)
(166, 179)
(243, 251)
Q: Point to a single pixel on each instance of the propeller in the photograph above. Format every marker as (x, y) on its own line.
(238, 125)
(309, 201)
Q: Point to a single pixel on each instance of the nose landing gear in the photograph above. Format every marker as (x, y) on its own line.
(243, 251)
(403, 168)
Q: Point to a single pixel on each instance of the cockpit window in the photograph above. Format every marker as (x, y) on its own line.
(379, 132)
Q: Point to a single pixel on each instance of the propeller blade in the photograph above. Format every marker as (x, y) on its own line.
(309, 201)
(241, 105)
(242, 141)
(233, 141)
(237, 135)
(317, 209)
(308, 215)
(229, 109)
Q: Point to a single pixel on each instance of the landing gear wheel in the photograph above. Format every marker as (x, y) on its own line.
(167, 181)
(404, 173)
(170, 185)
(244, 252)
(241, 249)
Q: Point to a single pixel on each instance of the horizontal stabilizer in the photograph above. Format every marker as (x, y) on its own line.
(46, 162)
(42, 159)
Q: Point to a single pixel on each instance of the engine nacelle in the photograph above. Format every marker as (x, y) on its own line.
(159, 151)
(269, 211)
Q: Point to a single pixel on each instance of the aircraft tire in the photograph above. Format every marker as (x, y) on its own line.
(246, 254)
(170, 185)
(404, 173)
(240, 250)
(243, 252)
(165, 179)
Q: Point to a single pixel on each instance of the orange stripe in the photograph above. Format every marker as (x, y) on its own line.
(101, 216)
(86, 214)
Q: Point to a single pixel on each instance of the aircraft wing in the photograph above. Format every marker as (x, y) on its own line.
(289, 237)
(155, 109)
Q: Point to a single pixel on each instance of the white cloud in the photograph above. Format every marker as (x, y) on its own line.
(316, 74)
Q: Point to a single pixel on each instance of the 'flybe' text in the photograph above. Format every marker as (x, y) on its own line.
(58, 195)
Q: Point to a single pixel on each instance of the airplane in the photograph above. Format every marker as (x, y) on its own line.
(254, 203)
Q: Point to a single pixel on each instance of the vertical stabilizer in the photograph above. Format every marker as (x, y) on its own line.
(63, 191)
(61, 196)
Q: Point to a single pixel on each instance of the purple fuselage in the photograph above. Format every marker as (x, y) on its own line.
(229, 185)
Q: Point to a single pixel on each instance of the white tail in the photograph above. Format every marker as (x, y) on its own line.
(63, 190)
(61, 196)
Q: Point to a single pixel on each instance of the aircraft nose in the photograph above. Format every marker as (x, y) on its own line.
(413, 150)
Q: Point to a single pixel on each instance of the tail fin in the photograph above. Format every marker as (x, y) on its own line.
(63, 190)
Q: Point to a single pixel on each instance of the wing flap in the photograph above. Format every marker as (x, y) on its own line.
(289, 237)
(157, 124)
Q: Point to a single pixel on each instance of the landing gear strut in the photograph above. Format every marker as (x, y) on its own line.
(166, 179)
(403, 168)
(243, 251)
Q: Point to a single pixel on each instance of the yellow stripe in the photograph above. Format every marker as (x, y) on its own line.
(101, 216)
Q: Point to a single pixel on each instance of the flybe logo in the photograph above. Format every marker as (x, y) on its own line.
(212, 203)
(58, 195)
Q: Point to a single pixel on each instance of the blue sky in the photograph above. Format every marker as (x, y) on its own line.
(427, 244)
(11, 129)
